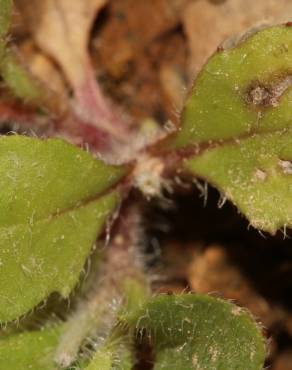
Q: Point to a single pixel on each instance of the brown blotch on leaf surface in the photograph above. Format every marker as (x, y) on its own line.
(269, 95)
(258, 95)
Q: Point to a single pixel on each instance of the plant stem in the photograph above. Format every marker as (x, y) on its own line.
(123, 267)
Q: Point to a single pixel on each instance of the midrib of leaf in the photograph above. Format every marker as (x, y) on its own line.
(55, 200)
(42, 178)
(198, 149)
(240, 107)
(48, 256)
(117, 188)
(234, 168)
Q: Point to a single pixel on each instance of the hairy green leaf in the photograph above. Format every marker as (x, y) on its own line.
(54, 201)
(237, 123)
(30, 350)
(112, 356)
(197, 332)
(256, 175)
(35, 350)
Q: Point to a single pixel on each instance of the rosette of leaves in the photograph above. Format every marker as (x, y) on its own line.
(57, 200)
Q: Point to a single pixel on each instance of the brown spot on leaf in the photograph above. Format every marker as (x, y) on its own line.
(260, 174)
(286, 167)
(261, 95)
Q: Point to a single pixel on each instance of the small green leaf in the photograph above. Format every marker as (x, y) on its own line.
(256, 174)
(112, 356)
(102, 359)
(135, 294)
(54, 201)
(15, 75)
(5, 18)
(19, 80)
(30, 350)
(36, 350)
(197, 332)
(237, 124)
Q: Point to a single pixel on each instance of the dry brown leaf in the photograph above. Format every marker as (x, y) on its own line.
(208, 23)
(44, 70)
(173, 85)
(61, 28)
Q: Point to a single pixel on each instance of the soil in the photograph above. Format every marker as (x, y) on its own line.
(146, 55)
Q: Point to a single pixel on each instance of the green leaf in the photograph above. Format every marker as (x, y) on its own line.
(5, 18)
(236, 126)
(101, 360)
(20, 81)
(54, 201)
(30, 350)
(15, 75)
(36, 350)
(197, 332)
(114, 355)
(255, 174)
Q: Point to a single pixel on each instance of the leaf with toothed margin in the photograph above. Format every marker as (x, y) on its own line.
(199, 332)
(236, 126)
(54, 200)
